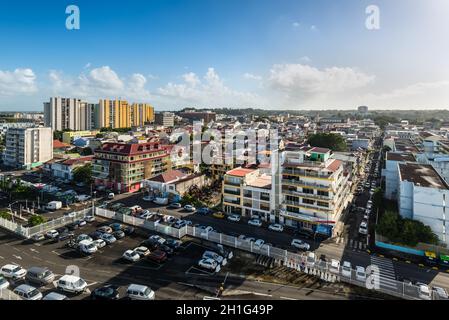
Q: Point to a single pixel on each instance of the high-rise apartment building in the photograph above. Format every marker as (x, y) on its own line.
(119, 114)
(166, 119)
(28, 147)
(69, 114)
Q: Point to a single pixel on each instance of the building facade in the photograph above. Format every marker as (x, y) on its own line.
(166, 119)
(28, 147)
(124, 166)
(120, 114)
(69, 114)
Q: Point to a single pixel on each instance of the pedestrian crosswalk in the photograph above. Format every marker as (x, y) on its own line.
(387, 278)
(355, 245)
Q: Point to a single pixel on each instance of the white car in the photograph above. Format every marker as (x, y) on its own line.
(69, 283)
(311, 259)
(99, 243)
(209, 264)
(139, 292)
(441, 293)
(276, 227)
(299, 244)
(82, 237)
(4, 284)
(346, 269)
(215, 256)
(146, 215)
(360, 273)
(189, 208)
(131, 255)
(27, 292)
(259, 243)
(363, 229)
(234, 217)
(424, 292)
(13, 271)
(142, 251)
(334, 266)
(89, 218)
(52, 234)
(255, 222)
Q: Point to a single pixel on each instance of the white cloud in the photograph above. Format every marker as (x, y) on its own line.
(208, 91)
(251, 76)
(19, 81)
(304, 79)
(296, 24)
(313, 28)
(102, 82)
(305, 59)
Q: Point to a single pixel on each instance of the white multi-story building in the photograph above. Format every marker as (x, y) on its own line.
(69, 114)
(6, 125)
(167, 119)
(390, 172)
(28, 147)
(423, 195)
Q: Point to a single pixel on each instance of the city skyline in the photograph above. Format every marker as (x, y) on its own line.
(290, 56)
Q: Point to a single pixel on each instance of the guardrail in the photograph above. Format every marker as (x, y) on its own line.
(298, 261)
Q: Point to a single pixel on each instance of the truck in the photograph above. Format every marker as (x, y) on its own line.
(54, 205)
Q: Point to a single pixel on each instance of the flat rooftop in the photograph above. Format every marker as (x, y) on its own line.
(423, 175)
(405, 145)
(263, 181)
(404, 157)
(239, 172)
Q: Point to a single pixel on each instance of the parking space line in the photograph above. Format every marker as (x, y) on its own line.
(203, 271)
(2, 258)
(287, 298)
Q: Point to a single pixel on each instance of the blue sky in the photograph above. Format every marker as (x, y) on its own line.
(216, 53)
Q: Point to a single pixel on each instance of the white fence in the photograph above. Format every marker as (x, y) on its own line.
(28, 232)
(289, 259)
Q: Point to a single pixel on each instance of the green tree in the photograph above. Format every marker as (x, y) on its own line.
(5, 215)
(388, 225)
(83, 174)
(331, 141)
(36, 220)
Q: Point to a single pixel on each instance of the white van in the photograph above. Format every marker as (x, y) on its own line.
(139, 292)
(69, 283)
(54, 205)
(334, 266)
(87, 247)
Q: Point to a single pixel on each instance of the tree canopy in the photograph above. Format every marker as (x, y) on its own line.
(83, 174)
(331, 141)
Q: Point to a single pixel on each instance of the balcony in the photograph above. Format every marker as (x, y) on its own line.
(234, 192)
(231, 201)
(310, 195)
(232, 183)
(299, 182)
(306, 173)
(305, 205)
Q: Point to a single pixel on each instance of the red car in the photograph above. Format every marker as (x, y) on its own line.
(158, 256)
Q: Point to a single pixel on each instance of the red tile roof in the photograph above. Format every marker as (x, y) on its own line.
(320, 150)
(59, 145)
(70, 162)
(239, 172)
(169, 176)
(130, 148)
(334, 165)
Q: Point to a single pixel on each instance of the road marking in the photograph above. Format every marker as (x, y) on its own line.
(34, 250)
(2, 257)
(37, 258)
(17, 257)
(262, 294)
(37, 244)
(54, 251)
(287, 298)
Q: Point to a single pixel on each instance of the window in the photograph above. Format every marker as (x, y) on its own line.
(322, 204)
(307, 190)
(323, 193)
(308, 201)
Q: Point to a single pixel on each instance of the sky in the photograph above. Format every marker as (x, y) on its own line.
(271, 54)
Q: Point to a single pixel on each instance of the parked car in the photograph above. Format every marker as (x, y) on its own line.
(89, 219)
(81, 223)
(4, 284)
(168, 250)
(299, 244)
(146, 214)
(27, 292)
(40, 276)
(111, 195)
(363, 228)
(139, 292)
(259, 243)
(179, 224)
(115, 226)
(157, 238)
(234, 217)
(55, 296)
(346, 269)
(96, 235)
(174, 244)
(13, 271)
(108, 238)
(215, 256)
(83, 197)
(108, 292)
(105, 229)
(87, 247)
(38, 237)
(70, 283)
(204, 211)
(189, 208)
(334, 266)
(131, 255)
(148, 198)
(158, 256)
(209, 264)
(119, 234)
(360, 273)
(276, 227)
(175, 205)
(128, 230)
(142, 251)
(218, 215)
(99, 243)
(255, 222)
(304, 233)
(424, 292)
(73, 226)
(52, 234)
(440, 293)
